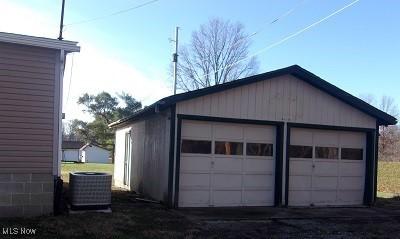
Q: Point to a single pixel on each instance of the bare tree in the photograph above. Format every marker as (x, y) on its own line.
(389, 136)
(389, 143)
(389, 106)
(218, 53)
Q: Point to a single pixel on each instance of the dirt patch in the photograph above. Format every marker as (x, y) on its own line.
(134, 219)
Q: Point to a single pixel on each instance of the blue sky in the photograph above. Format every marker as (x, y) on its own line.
(357, 50)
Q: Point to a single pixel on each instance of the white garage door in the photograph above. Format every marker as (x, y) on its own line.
(223, 164)
(326, 167)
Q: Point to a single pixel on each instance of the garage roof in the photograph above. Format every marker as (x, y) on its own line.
(295, 70)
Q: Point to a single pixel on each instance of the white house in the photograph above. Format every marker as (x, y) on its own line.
(71, 151)
(285, 137)
(91, 153)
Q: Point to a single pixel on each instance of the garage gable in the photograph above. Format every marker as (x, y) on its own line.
(283, 98)
(287, 98)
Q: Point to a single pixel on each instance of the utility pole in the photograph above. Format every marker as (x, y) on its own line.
(62, 21)
(175, 59)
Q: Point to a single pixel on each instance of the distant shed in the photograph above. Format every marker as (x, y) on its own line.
(92, 153)
(71, 151)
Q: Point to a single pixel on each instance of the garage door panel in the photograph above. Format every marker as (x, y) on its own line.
(354, 183)
(227, 198)
(352, 139)
(259, 165)
(258, 198)
(258, 181)
(194, 180)
(301, 137)
(229, 132)
(326, 168)
(196, 130)
(300, 167)
(224, 181)
(195, 163)
(352, 169)
(324, 197)
(324, 182)
(225, 164)
(320, 181)
(265, 134)
(194, 198)
(350, 196)
(299, 197)
(300, 182)
(326, 138)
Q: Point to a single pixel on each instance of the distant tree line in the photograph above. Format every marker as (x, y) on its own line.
(389, 136)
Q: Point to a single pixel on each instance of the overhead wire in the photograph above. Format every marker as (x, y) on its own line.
(277, 19)
(268, 23)
(111, 14)
(285, 38)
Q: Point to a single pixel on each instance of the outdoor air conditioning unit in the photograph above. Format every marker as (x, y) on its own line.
(90, 190)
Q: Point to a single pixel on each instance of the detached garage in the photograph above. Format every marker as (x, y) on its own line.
(285, 137)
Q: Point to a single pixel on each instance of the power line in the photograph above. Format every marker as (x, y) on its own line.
(279, 18)
(112, 14)
(268, 23)
(286, 38)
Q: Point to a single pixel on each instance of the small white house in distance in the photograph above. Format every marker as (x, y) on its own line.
(91, 153)
(285, 137)
(71, 151)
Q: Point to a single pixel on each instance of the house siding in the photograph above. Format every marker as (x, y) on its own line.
(27, 95)
(284, 98)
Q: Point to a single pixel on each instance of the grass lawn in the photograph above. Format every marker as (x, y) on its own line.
(388, 178)
(66, 168)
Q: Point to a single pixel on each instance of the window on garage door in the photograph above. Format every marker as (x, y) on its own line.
(228, 148)
(326, 152)
(300, 151)
(196, 146)
(351, 154)
(259, 149)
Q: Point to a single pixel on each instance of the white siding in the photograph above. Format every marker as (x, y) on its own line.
(150, 156)
(284, 98)
(94, 154)
(70, 155)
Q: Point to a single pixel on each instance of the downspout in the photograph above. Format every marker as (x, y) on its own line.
(57, 141)
(60, 93)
